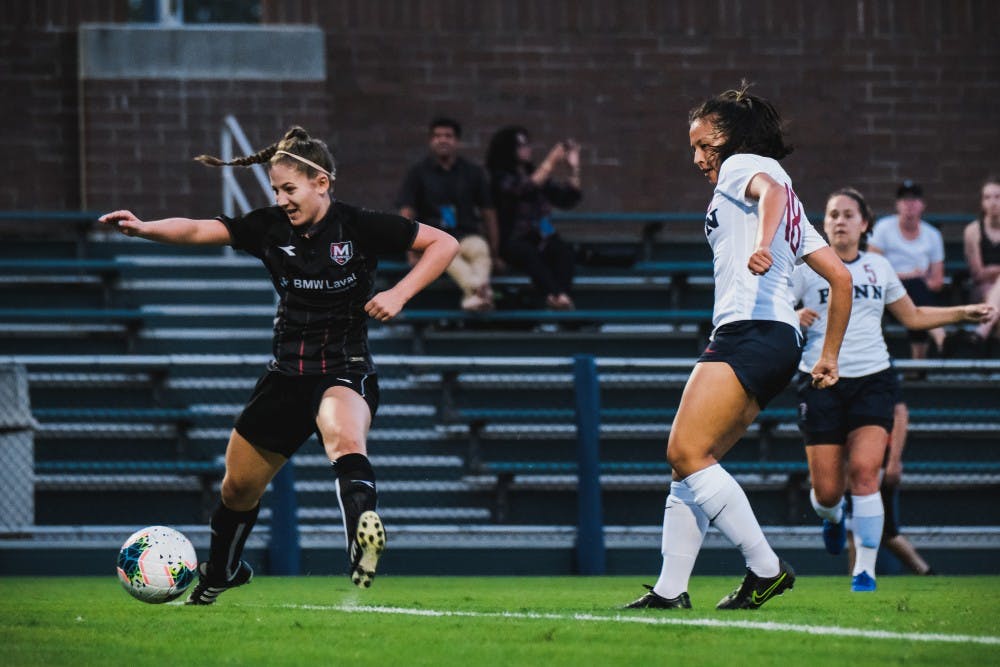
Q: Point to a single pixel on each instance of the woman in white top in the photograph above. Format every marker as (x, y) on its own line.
(758, 232)
(850, 423)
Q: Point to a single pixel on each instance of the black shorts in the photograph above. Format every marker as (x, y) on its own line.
(826, 416)
(763, 353)
(281, 413)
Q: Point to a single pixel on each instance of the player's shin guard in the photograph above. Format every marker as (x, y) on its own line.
(362, 525)
(727, 507)
(684, 528)
(356, 491)
(867, 522)
(230, 530)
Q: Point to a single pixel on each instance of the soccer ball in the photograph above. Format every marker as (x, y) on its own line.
(156, 564)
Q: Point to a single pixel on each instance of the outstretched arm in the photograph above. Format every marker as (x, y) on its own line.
(184, 231)
(838, 313)
(928, 317)
(437, 249)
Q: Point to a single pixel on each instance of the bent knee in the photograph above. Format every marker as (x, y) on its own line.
(864, 484)
(241, 493)
(828, 495)
(687, 460)
(338, 444)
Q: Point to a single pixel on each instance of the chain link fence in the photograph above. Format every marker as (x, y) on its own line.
(17, 450)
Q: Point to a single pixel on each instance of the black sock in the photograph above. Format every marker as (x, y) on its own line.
(356, 491)
(230, 530)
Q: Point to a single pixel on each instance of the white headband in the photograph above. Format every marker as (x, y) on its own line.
(308, 162)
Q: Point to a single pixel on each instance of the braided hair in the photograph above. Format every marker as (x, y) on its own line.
(298, 143)
(749, 124)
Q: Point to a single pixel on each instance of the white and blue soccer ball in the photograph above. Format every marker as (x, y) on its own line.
(157, 564)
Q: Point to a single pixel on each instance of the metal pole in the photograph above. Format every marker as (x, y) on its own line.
(284, 550)
(590, 551)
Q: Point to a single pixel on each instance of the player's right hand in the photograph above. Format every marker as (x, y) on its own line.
(760, 261)
(825, 373)
(124, 221)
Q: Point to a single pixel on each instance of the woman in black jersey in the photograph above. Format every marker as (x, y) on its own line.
(321, 254)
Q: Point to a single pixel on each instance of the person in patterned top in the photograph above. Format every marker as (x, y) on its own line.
(322, 255)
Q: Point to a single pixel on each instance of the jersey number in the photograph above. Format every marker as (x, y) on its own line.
(793, 220)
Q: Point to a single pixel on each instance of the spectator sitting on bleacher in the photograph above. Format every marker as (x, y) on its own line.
(758, 231)
(524, 196)
(847, 426)
(982, 253)
(449, 192)
(320, 254)
(915, 249)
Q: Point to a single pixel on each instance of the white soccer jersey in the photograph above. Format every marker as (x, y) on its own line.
(731, 227)
(876, 285)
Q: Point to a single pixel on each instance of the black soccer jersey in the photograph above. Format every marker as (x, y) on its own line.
(324, 276)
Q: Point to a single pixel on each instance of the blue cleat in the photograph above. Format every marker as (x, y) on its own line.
(862, 583)
(834, 536)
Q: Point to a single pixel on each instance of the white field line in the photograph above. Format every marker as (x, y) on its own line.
(766, 626)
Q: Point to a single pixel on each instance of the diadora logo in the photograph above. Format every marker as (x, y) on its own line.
(288, 250)
(342, 252)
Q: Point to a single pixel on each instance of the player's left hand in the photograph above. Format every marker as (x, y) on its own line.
(979, 312)
(385, 305)
(825, 373)
(760, 261)
(893, 472)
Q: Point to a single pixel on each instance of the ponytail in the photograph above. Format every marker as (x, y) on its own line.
(296, 148)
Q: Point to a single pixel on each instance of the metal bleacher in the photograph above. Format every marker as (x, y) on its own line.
(139, 357)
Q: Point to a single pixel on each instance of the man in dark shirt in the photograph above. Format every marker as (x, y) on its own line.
(446, 191)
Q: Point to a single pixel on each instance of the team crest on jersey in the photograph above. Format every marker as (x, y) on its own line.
(342, 252)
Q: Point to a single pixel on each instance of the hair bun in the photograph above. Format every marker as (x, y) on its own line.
(297, 132)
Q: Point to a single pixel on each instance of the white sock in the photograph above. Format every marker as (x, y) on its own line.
(832, 514)
(684, 527)
(867, 522)
(724, 503)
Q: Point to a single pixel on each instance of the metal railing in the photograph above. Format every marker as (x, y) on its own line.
(232, 191)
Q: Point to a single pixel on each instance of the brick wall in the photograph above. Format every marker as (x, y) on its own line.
(873, 91)
(39, 110)
(141, 137)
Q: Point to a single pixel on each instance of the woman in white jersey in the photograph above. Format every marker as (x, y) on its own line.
(758, 231)
(850, 423)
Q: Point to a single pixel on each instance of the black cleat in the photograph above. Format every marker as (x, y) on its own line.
(652, 600)
(367, 547)
(755, 591)
(208, 589)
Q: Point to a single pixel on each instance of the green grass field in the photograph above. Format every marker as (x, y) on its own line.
(483, 621)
